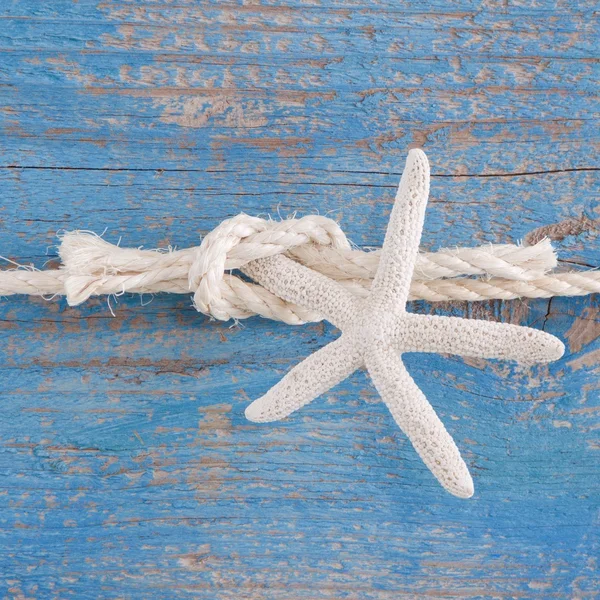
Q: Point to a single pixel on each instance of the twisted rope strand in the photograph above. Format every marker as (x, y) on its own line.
(92, 266)
(248, 299)
(522, 263)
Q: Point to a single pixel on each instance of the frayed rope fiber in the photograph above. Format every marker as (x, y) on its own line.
(92, 266)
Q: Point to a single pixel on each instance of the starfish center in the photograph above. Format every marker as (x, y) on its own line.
(372, 329)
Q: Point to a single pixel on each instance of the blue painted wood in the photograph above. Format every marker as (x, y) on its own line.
(126, 467)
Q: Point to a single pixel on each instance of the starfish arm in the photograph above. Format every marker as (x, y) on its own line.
(306, 381)
(303, 286)
(416, 417)
(482, 339)
(399, 254)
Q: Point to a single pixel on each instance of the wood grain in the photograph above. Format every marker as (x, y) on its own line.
(127, 469)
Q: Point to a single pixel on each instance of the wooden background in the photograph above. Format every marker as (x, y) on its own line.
(127, 469)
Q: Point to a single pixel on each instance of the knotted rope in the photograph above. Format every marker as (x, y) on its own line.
(92, 266)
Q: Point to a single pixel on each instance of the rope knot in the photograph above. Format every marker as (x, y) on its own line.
(90, 262)
(242, 239)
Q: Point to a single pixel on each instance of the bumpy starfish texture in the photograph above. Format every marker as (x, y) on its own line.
(376, 331)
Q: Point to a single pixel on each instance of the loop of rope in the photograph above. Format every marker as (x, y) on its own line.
(222, 248)
(92, 266)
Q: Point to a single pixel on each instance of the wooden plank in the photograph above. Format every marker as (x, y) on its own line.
(127, 467)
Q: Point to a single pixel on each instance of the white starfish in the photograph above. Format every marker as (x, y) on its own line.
(377, 330)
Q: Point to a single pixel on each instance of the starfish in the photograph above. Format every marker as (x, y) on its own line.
(376, 331)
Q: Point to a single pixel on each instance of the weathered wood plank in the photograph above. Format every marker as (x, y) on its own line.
(127, 468)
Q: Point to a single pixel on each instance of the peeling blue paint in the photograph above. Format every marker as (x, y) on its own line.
(127, 468)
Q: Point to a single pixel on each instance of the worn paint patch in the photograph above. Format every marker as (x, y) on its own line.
(559, 231)
(585, 329)
(200, 111)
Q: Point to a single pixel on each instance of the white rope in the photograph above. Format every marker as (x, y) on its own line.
(92, 266)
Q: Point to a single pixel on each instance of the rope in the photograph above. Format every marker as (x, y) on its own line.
(92, 266)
